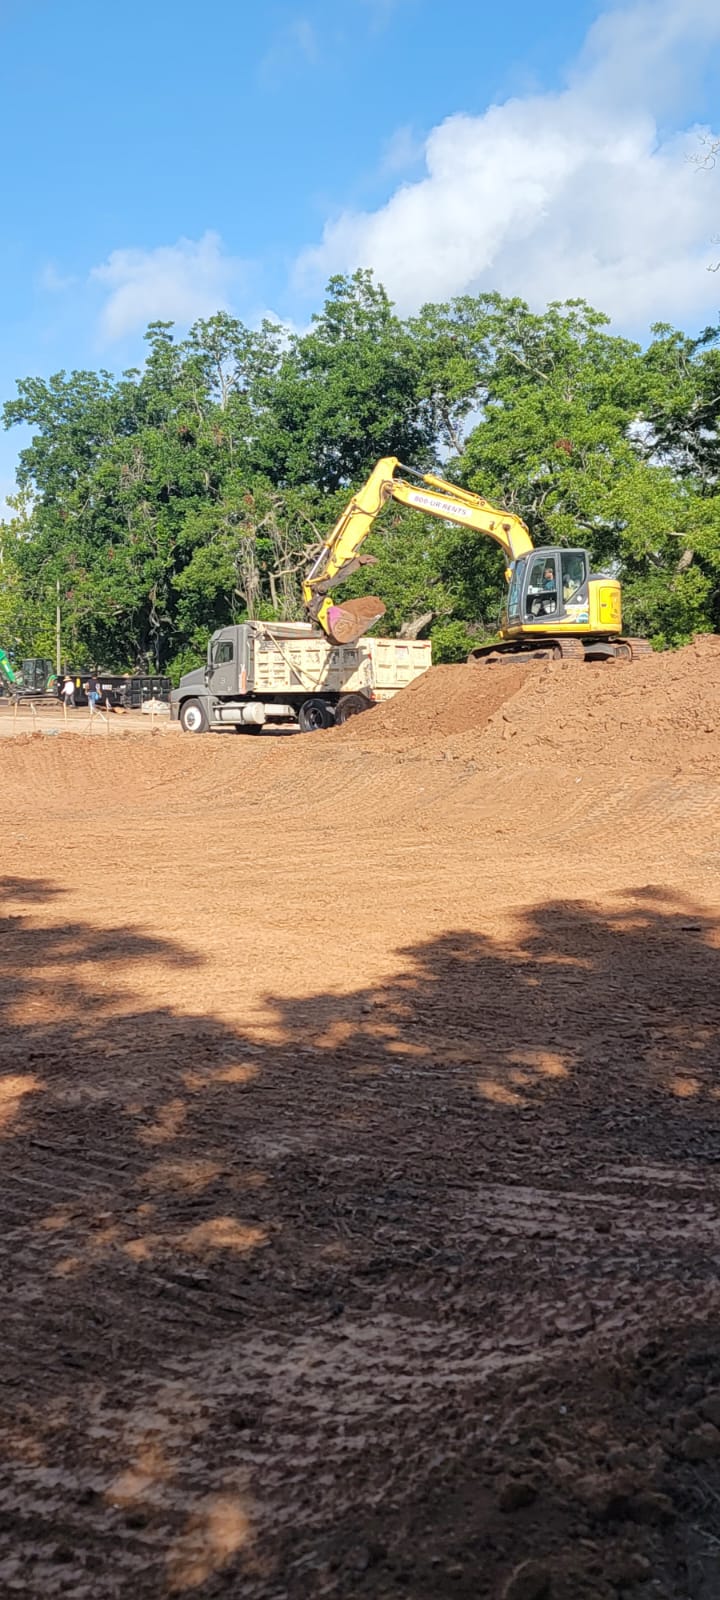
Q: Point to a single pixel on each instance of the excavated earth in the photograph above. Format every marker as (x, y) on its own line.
(360, 1150)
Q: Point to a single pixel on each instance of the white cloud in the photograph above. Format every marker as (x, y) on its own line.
(403, 150)
(295, 43)
(173, 283)
(575, 193)
(289, 328)
(54, 282)
(647, 52)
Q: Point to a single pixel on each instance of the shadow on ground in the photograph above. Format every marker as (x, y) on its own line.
(416, 1294)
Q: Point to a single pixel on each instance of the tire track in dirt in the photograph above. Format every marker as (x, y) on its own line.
(360, 1121)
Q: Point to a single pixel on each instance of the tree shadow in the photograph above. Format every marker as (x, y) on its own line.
(417, 1291)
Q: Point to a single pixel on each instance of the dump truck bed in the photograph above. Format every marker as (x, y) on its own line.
(289, 659)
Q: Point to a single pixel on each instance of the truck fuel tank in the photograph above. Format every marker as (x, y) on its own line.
(251, 714)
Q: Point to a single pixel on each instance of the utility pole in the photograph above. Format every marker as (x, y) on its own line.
(57, 628)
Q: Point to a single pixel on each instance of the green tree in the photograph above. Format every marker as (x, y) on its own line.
(570, 438)
(344, 394)
(174, 498)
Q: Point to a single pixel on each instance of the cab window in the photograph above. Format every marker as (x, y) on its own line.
(542, 589)
(574, 573)
(223, 652)
(513, 600)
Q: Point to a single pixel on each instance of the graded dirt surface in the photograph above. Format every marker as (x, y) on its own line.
(50, 718)
(360, 1150)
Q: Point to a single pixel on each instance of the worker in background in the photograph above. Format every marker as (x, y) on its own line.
(93, 692)
(68, 692)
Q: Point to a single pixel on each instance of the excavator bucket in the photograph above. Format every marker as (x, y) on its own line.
(347, 623)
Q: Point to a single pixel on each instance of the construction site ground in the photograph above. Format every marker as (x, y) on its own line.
(360, 1149)
(50, 717)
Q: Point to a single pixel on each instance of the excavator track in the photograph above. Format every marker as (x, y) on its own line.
(568, 650)
(563, 650)
(638, 648)
(530, 650)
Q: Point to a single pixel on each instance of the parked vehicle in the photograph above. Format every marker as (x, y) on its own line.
(282, 672)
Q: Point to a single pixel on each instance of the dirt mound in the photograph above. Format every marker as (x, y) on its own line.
(446, 701)
(469, 748)
(665, 708)
(560, 713)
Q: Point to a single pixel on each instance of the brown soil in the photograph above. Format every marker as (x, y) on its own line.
(360, 1141)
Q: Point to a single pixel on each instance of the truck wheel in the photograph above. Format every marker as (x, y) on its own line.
(193, 717)
(315, 714)
(350, 706)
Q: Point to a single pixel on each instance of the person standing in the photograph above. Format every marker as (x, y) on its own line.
(93, 692)
(68, 691)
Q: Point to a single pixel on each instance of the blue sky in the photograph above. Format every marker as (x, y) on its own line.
(164, 159)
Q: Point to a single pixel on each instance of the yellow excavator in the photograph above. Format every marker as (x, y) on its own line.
(553, 607)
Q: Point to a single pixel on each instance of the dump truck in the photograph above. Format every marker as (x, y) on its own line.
(260, 673)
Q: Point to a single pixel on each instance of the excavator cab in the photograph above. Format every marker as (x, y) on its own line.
(37, 673)
(553, 592)
(547, 588)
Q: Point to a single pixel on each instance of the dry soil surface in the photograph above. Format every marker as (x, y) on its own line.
(359, 1150)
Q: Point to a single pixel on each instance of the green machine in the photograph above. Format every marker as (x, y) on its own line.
(35, 681)
(8, 679)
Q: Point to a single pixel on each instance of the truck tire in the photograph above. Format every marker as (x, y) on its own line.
(350, 705)
(194, 717)
(314, 715)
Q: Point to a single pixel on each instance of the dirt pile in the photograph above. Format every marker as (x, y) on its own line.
(666, 707)
(445, 702)
(663, 711)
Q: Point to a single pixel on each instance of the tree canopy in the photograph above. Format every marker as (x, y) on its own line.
(172, 499)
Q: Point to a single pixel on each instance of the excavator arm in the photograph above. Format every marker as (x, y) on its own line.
(339, 557)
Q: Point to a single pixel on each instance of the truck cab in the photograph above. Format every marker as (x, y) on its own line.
(215, 696)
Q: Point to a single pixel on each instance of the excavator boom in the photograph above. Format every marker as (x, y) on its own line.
(469, 511)
(339, 557)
